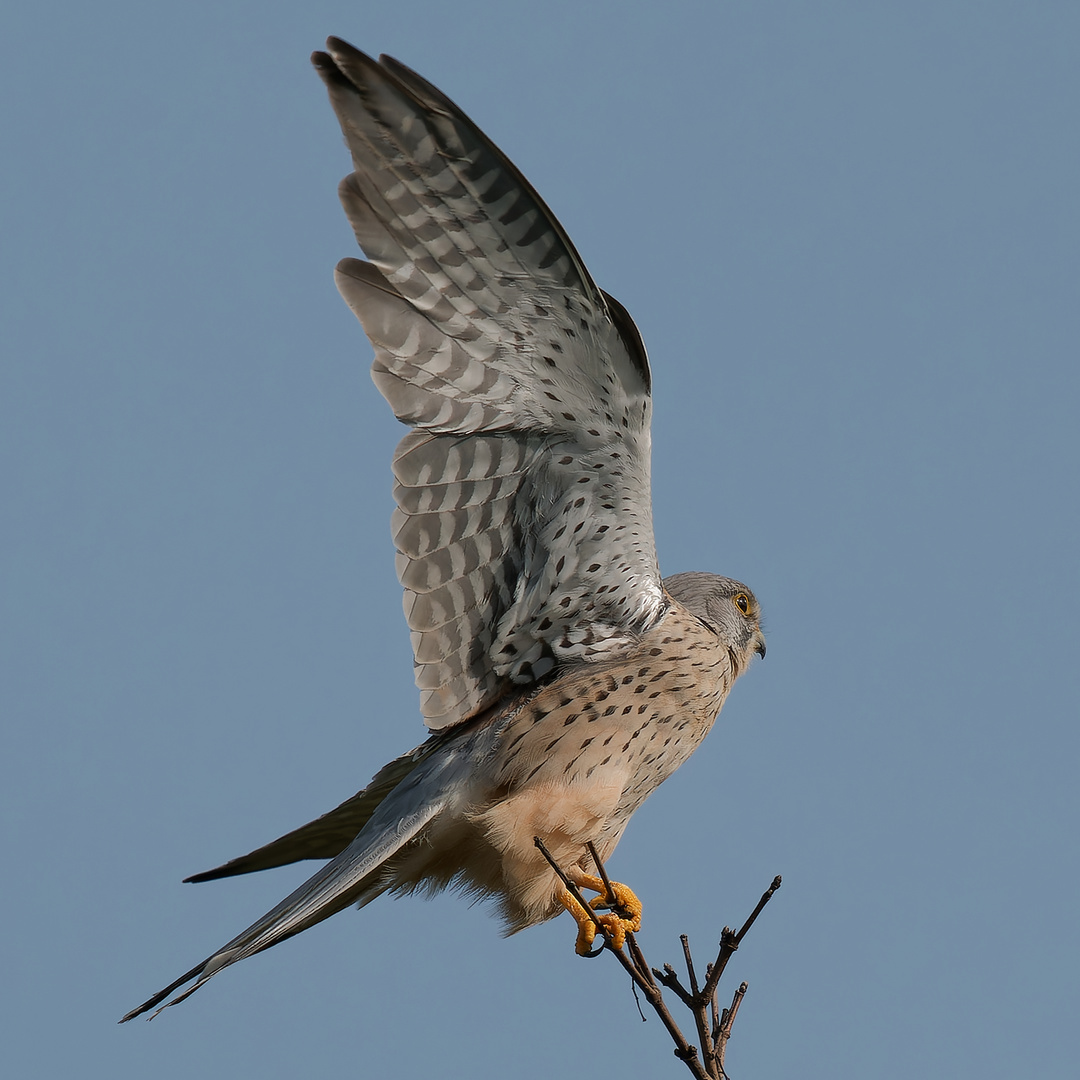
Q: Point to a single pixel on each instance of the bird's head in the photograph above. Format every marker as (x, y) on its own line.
(727, 607)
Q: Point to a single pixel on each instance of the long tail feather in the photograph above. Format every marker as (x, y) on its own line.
(356, 876)
(331, 834)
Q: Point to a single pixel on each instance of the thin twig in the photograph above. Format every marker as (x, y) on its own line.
(669, 979)
(602, 871)
(698, 1004)
(714, 1012)
(706, 1063)
(639, 959)
(766, 896)
(729, 942)
(689, 963)
(575, 892)
(724, 1032)
(684, 1050)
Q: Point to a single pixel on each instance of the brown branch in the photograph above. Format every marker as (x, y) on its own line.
(729, 942)
(671, 981)
(723, 1032)
(699, 1004)
(574, 891)
(705, 1061)
(601, 870)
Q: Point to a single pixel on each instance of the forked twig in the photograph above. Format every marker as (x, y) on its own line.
(706, 1060)
(723, 1028)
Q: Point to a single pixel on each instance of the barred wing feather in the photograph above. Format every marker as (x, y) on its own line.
(523, 522)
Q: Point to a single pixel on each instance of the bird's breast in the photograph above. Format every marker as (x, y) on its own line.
(629, 722)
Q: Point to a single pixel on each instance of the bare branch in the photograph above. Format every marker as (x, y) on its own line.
(669, 979)
(601, 869)
(729, 942)
(706, 1060)
(724, 1031)
(575, 892)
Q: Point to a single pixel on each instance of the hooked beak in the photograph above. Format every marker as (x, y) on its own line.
(758, 641)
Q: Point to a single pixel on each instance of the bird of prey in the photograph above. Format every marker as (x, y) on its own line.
(561, 678)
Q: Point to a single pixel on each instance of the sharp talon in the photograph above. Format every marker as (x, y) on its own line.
(623, 916)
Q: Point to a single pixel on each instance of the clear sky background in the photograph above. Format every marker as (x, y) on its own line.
(849, 234)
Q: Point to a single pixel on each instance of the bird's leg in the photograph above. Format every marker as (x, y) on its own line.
(623, 914)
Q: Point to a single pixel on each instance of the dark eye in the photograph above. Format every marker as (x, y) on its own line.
(742, 602)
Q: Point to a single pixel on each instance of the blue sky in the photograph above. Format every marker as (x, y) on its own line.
(849, 235)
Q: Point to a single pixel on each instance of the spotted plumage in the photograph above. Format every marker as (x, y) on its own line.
(561, 679)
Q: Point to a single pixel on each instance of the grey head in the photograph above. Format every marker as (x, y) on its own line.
(727, 607)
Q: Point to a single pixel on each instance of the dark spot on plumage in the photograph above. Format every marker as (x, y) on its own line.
(500, 185)
(538, 229)
(551, 257)
(534, 772)
(520, 205)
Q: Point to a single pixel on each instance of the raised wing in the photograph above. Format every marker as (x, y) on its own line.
(524, 520)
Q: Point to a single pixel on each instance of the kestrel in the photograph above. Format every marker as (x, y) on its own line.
(561, 678)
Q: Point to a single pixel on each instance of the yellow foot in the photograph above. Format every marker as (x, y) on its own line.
(624, 916)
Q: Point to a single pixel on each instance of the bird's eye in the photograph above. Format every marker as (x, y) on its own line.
(742, 602)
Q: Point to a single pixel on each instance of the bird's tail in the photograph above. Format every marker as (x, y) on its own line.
(355, 876)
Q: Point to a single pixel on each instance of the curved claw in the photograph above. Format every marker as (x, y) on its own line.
(624, 916)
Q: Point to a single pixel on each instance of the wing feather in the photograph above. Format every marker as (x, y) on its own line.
(524, 522)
